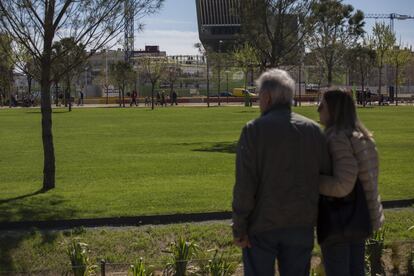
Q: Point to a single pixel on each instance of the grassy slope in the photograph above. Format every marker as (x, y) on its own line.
(117, 162)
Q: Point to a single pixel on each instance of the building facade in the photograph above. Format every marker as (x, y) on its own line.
(219, 23)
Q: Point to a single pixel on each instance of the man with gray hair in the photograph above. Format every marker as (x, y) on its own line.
(280, 156)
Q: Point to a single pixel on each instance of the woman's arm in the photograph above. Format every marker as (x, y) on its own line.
(345, 168)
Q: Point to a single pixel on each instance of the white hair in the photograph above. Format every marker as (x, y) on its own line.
(279, 84)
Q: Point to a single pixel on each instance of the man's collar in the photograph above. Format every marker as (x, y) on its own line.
(278, 107)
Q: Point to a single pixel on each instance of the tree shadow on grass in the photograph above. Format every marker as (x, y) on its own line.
(222, 147)
(247, 111)
(28, 207)
(7, 200)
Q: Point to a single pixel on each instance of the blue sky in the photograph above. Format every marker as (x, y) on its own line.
(174, 28)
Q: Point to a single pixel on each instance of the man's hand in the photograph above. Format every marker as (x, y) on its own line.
(242, 242)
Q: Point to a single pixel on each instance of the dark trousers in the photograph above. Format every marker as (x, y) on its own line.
(292, 247)
(344, 259)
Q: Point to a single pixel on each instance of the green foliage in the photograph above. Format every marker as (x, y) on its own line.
(122, 73)
(219, 265)
(78, 254)
(271, 27)
(247, 58)
(360, 60)
(181, 253)
(138, 269)
(336, 28)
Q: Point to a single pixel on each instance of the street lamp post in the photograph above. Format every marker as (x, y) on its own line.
(208, 81)
(219, 72)
(227, 85)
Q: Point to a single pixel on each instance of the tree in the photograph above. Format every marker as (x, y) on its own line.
(246, 57)
(152, 69)
(36, 24)
(6, 68)
(66, 51)
(172, 74)
(336, 28)
(398, 57)
(383, 39)
(204, 53)
(122, 73)
(276, 28)
(361, 59)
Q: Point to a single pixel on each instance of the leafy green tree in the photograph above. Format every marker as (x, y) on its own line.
(361, 60)
(37, 24)
(66, 51)
(398, 57)
(276, 28)
(152, 69)
(122, 73)
(383, 39)
(336, 28)
(246, 57)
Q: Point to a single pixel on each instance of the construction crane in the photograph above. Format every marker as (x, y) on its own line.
(390, 16)
(129, 30)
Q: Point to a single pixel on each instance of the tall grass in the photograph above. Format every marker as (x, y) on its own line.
(181, 253)
(139, 269)
(78, 255)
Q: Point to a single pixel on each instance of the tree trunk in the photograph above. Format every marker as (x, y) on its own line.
(69, 95)
(245, 78)
(46, 107)
(152, 95)
(396, 85)
(119, 96)
(123, 95)
(380, 79)
(208, 83)
(329, 75)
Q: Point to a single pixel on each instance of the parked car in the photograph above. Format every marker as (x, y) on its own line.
(241, 92)
(223, 94)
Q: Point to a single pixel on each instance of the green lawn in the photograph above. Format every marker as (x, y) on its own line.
(121, 162)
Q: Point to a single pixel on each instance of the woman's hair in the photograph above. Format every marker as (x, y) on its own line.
(342, 112)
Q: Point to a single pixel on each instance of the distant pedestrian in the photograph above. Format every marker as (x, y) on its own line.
(174, 98)
(60, 99)
(163, 99)
(147, 101)
(80, 101)
(13, 100)
(134, 96)
(158, 98)
(369, 96)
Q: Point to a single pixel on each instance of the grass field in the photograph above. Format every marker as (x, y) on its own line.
(121, 162)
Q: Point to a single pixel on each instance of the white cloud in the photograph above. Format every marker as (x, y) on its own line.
(173, 42)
